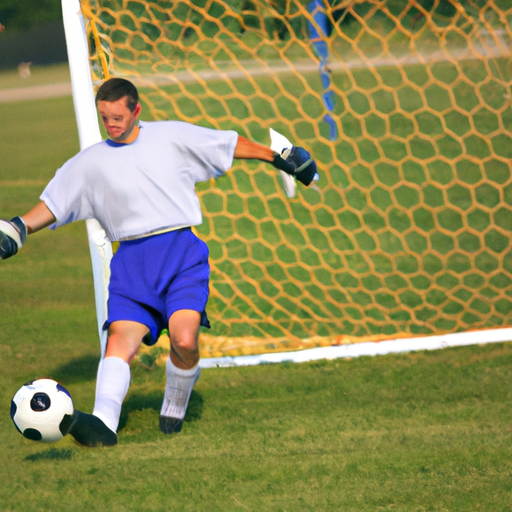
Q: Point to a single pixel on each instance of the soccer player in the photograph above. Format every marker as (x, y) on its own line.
(140, 185)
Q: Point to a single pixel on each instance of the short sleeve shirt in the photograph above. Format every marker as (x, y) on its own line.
(143, 187)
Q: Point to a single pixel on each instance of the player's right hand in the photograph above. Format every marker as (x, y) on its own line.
(13, 234)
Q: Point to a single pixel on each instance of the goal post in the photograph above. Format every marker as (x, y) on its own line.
(407, 107)
(88, 134)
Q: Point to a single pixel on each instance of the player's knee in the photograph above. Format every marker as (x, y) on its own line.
(183, 331)
(184, 342)
(123, 343)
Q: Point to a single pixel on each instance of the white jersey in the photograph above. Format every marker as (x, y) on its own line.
(144, 187)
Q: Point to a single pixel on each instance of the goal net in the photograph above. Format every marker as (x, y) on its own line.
(406, 106)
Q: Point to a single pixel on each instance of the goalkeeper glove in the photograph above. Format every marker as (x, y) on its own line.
(13, 234)
(298, 163)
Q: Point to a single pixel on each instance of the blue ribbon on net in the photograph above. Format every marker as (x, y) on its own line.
(318, 31)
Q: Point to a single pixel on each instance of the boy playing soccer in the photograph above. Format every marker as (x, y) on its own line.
(140, 185)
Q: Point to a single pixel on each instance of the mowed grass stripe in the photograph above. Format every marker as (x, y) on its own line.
(23, 183)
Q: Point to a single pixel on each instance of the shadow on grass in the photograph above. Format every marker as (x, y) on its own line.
(153, 400)
(52, 454)
(77, 370)
(85, 369)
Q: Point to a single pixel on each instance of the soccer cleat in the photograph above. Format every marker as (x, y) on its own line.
(176, 398)
(170, 425)
(89, 430)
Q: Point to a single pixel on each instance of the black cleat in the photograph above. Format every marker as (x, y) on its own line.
(89, 430)
(170, 425)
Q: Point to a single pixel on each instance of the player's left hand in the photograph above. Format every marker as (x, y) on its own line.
(13, 234)
(305, 167)
(297, 162)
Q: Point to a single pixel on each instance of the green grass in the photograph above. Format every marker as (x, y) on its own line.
(40, 75)
(426, 431)
(416, 432)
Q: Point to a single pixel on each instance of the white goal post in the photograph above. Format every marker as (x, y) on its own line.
(89, 133)
(101, 248)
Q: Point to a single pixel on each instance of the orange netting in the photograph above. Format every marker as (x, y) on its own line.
(405, 104)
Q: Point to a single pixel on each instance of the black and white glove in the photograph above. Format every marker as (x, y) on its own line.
(297, 162)
(13, 234)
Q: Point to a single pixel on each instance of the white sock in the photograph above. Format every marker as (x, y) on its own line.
(178, 389)
(111, 387)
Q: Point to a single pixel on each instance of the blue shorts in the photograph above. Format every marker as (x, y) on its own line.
(152, 277)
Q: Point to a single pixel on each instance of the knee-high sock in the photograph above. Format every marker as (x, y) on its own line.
(178, 389)
(111, 387)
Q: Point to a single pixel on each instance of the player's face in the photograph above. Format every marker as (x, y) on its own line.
(118, 119)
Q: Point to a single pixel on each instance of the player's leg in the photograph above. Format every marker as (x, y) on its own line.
(113, 380)
(182, 368)
(183, 332)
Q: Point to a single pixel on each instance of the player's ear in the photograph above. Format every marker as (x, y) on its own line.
(137, 110)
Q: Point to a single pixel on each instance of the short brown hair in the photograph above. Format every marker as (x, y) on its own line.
(116, 88)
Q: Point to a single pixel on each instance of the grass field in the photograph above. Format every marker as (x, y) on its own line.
(40, 75)
(414, 432)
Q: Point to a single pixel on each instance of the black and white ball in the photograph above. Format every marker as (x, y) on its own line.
(42, 410)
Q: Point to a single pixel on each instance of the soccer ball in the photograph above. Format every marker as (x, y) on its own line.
(42, 410)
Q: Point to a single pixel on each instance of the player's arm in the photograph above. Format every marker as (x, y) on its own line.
(13, 233)
(252, 150)
(38, 218)
(295, 161)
